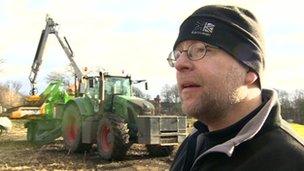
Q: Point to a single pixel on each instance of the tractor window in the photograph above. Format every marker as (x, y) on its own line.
(93, 87)
(116, 85)
(91, 82)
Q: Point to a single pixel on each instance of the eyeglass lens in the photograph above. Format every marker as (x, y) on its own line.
(195, 52)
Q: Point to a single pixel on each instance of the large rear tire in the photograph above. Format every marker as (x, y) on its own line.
(71, 130)
(112, 138)
(159, 151)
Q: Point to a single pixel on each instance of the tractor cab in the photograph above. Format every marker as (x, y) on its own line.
(113, 85)
(105, 88)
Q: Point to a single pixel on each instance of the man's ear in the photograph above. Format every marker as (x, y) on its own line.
(251, 77)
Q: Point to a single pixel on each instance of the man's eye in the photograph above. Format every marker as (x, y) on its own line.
(199, 50)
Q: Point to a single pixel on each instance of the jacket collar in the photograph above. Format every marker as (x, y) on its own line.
(249, 130)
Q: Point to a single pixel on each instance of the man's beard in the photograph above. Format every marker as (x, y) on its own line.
(214, 103)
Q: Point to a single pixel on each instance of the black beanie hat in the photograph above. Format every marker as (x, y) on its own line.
(231, 28)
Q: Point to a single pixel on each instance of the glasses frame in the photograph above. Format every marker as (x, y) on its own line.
(173, 60)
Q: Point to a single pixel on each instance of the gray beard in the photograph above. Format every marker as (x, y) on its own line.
(209, 108)
(214, 104)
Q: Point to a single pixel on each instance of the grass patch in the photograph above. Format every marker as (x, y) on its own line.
(298, 128)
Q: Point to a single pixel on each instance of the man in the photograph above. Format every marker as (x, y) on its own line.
(219, 62)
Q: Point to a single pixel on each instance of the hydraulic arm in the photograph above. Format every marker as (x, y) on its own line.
(50, 28)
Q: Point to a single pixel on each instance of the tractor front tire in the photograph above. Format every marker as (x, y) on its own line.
(112, 138)
(71, 130)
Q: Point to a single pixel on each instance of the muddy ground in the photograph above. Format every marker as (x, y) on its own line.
(17, 154)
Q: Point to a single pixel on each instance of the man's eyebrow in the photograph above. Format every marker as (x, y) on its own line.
(212, 46)
(178, 47)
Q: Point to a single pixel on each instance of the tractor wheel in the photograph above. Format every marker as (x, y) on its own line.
(159, 151)
(71, 130)
(112, 138)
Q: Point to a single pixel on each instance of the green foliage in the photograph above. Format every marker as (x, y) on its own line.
(54, 94)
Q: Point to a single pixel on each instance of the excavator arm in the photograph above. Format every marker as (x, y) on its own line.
(50, 28)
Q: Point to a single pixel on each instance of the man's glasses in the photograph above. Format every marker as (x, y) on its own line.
(195, 52)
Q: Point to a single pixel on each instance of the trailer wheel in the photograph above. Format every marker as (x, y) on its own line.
(159, 151)
(112, 138)
(71, 130)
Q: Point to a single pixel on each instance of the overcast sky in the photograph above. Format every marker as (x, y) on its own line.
(136, 36)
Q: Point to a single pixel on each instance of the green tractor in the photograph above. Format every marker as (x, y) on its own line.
(109, 116)
(103, 112)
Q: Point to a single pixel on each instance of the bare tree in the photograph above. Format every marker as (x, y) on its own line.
(70, 72)
(9, 94)
(175, 94)
(14, 85)
(287, 108)
(58, 76)
(170, 93)
(138, 93)
(3, 90)
(298, 102)
(171, 101)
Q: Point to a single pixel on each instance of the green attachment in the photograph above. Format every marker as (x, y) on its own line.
(43, 131)
(47, 128)
(54, 94)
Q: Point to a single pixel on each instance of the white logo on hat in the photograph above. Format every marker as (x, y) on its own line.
(204, 28)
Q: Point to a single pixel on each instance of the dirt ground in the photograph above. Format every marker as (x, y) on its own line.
(17, 154)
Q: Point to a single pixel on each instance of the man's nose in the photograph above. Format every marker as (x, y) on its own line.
(183, 63)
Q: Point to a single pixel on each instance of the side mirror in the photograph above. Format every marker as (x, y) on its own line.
(146, 85)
